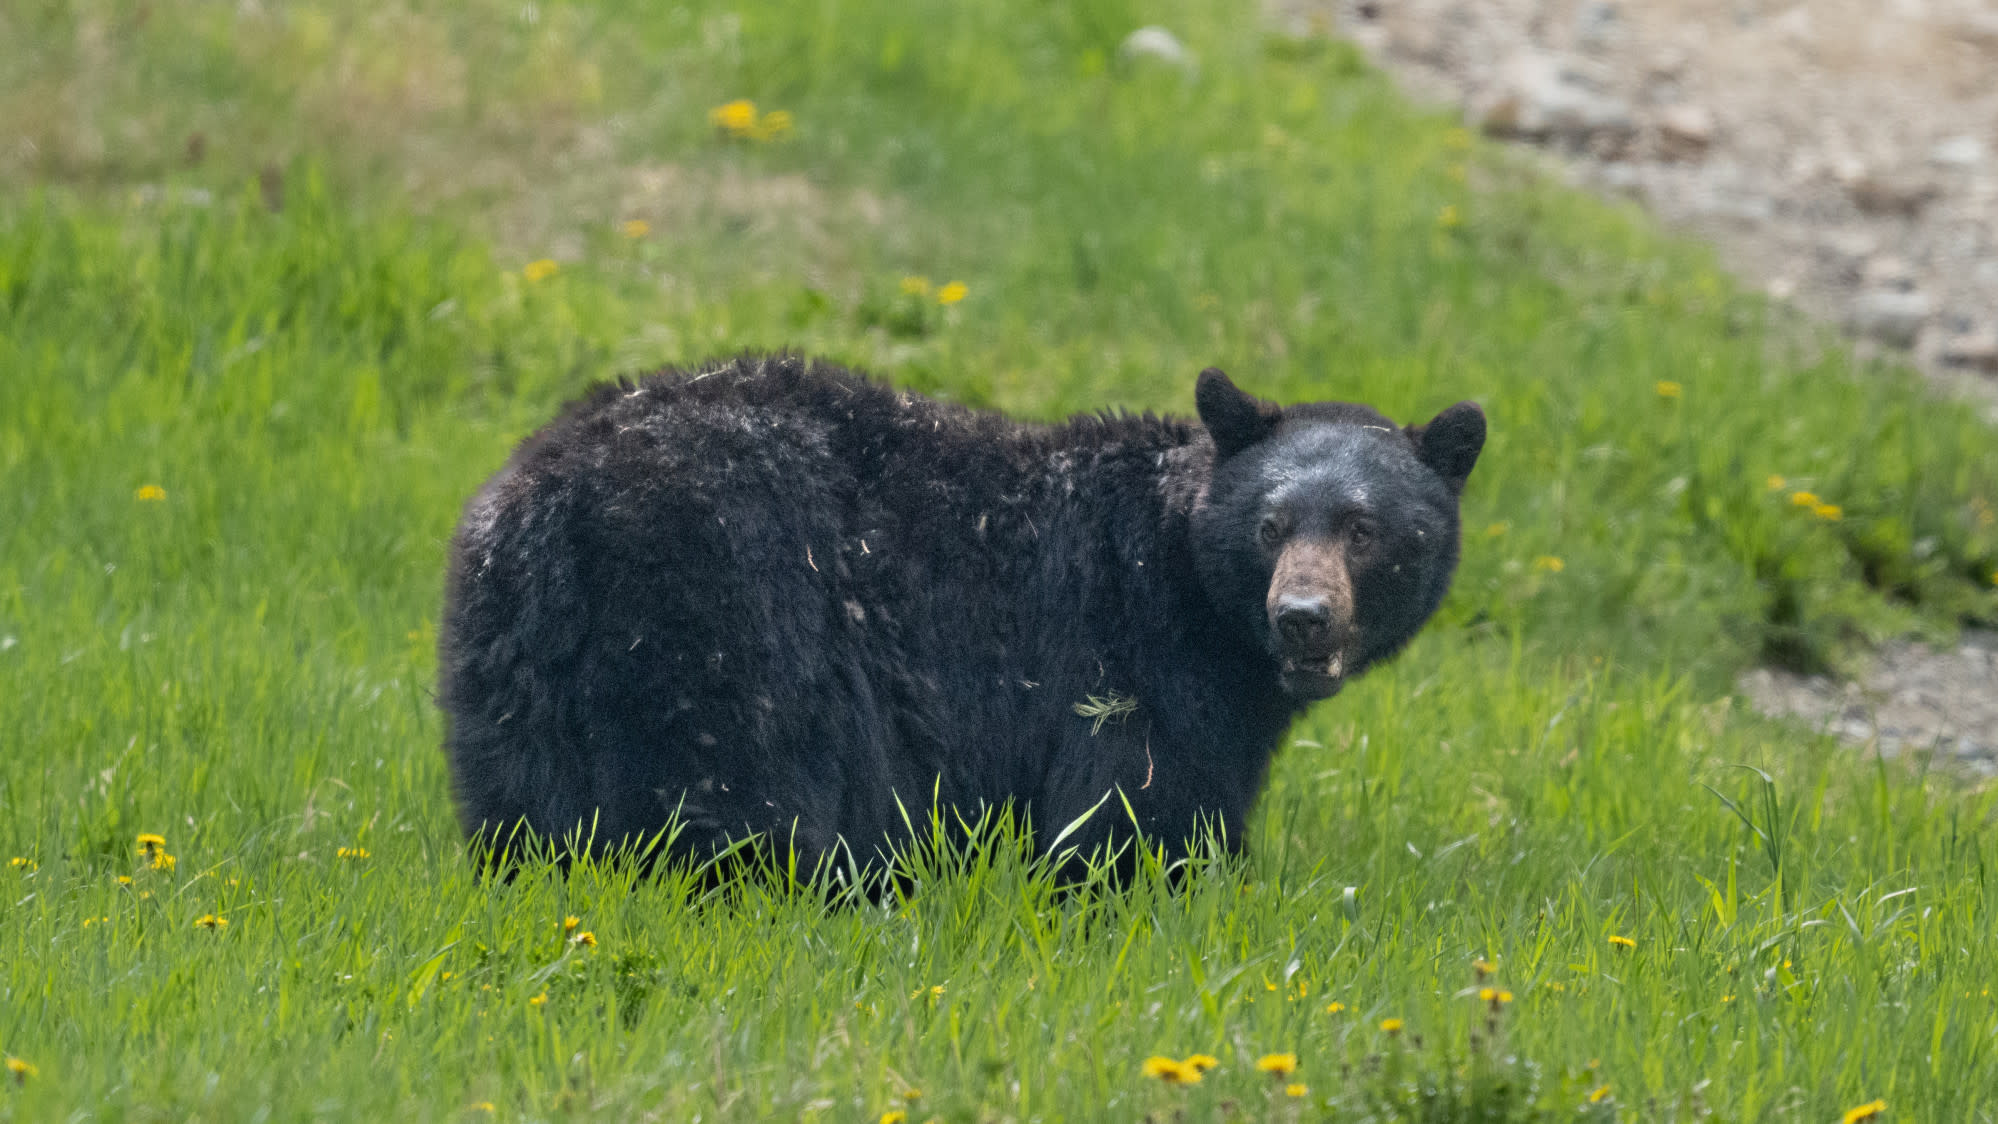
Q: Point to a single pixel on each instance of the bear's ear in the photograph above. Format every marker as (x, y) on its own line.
(1234, 419)
(1451, 442)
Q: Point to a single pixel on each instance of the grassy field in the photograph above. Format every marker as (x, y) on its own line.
(281, 283)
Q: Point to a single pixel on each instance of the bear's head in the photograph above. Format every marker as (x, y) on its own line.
(1325, 530)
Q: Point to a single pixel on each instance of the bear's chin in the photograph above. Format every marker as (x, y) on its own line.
(1311, 683)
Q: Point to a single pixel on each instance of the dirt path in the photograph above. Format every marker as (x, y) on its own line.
(1841, 153)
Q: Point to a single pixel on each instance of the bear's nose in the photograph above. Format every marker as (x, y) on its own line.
(1304, 623)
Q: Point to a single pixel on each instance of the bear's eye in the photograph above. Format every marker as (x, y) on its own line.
(1360, 534)
(1273, 530)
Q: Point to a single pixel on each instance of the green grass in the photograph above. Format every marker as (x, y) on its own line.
(245, 666)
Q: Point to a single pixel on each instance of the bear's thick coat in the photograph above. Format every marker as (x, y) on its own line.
(774, 597)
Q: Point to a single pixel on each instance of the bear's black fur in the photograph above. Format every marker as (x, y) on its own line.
(771, 596)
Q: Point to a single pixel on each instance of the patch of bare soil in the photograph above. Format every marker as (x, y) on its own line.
(1911, 699)
(1841, 153)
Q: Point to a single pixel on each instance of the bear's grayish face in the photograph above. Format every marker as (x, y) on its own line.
(1326, 530)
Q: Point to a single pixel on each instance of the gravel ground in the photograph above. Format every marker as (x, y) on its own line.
(1841, 153)
(1910, 698)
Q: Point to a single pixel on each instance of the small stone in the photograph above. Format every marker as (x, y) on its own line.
(1974, 349)
(1880, 194)
(1960, 151)
(1796, 26)
(1666, 64)
(1542, 95)
(1156, 44)
(1848, 251)
(1893, 316)
(1846, 168)
(1888, 272)
(1685, 131)
(1597, 25)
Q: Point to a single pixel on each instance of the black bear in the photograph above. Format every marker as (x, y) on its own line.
(774, 599)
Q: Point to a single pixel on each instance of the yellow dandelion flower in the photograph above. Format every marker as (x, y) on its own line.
(953, 292)
(1597, 1094)
(1776, 482)
(1727, 998)
(540, 269)
(585, 938)
(23, 864)
(149, 842)
(352, 853)
(569, 924)
(771, 126)
(1864, 1112)
(1391, 1026)
(1497, 997)
(211, 922)
(1171, 1072)
(539, 1001)
(1483, 967)
(894, 1116)
(916, 286)
(1201, 1062)
(1277, 1065)
(635, 228)
(1829, 512)
(20, 1070)
(1666, 388)
(1804, 499)
(1448, 218)
(1549, 563)
(737, 118)
(912, 1094)
(1622, 942)
(151, 493)
(163, 861)
(1334, 1008)
(1296, 1090)
(124, 880)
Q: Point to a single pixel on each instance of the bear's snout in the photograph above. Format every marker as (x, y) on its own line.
(1310, 609)
(1304, 625)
